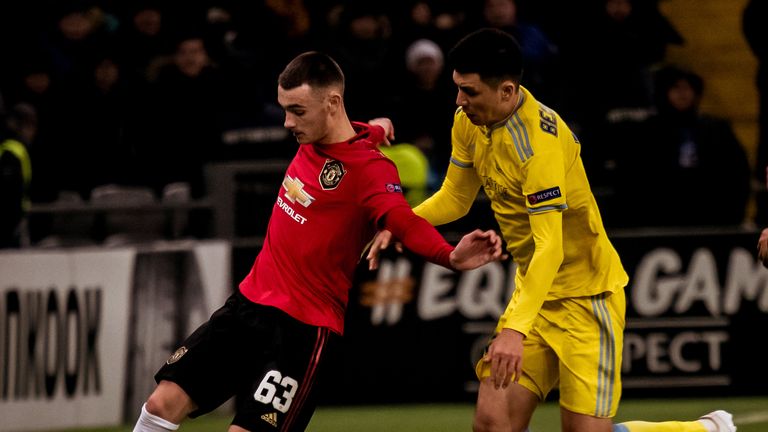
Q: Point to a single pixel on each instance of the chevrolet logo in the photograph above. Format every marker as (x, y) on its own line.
(294, 191)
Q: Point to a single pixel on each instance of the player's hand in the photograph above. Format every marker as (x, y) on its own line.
(762, 247)
(477, 249)
(389, 129)
(380, 242)
(506, 357)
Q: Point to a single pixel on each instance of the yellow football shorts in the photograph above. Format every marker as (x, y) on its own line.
(575, 344)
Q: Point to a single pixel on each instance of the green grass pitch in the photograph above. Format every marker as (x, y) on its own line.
(751, 415)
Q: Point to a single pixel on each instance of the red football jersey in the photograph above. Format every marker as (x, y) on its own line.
(327, 210)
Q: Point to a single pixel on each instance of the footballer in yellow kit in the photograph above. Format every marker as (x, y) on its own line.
(572, 314)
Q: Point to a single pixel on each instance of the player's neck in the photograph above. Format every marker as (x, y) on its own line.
(508, 111)
(341, 131)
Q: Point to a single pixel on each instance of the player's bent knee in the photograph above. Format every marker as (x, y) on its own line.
(170, 402)
(484, 422)
(487, 422)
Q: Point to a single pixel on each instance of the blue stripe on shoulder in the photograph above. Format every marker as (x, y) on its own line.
(516, 143)
(526, 141)
(519, 134)
(461, 164)
(547, 208)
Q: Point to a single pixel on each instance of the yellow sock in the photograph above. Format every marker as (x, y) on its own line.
(670, 426)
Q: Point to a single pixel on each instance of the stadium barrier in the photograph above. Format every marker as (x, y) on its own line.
(697, 303)
(83, 330)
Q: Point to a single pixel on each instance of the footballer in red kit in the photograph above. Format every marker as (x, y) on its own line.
(330, 203)
(269, 343)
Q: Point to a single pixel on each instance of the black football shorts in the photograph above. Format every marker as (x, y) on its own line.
(268, 360)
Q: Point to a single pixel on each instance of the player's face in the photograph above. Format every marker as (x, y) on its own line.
(307, 113)
(480, 102)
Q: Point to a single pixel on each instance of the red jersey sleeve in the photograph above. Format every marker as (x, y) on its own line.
(419, 236)
(373, 135)
(382, 196)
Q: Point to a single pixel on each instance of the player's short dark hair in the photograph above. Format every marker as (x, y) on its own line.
(491, 53)
(313, 68)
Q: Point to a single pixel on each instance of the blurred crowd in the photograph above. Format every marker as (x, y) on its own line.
(147, 92)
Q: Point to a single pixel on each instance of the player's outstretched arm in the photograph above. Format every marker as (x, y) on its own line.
(380, 242)
(474, 250)
(477, 249)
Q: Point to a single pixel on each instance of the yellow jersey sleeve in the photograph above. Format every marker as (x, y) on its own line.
(544, 183)
(461, 184)
(547, 229)
(462, 140)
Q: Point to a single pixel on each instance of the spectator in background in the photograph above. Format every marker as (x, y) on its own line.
(363, 47)
(442, 21)
(415, 21)
(539, 52)
(36, 86)
(425, 106)
(75, 41)
(627, 38)
(60, 75)
(142, 39)
(182, 119)
(693, 168)
(755, 31)
(109, 107)
(265, 35)
(626, 42)
(236, 32)
(17, 130)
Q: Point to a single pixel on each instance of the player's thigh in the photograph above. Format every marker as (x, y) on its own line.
(590, 354)
(206, 364)
(282, 392)
(540, 364)
(511, 408)
(503, 409)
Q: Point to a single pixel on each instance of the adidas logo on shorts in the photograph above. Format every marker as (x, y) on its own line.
(270, 418)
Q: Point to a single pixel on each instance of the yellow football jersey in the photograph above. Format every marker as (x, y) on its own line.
(530, 164)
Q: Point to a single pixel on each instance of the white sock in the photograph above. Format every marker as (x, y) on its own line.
(709, 424)
(151, 423)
